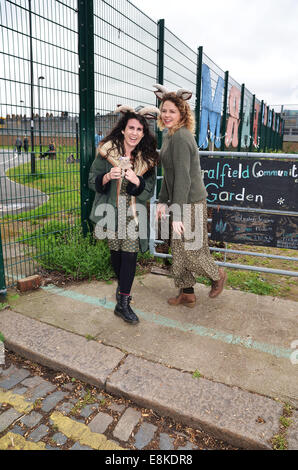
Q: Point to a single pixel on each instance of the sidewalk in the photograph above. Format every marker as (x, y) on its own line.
(224, 367)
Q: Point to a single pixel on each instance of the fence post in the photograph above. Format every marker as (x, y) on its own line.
(241, 117)
(86, 91)
(282, 134)
(2, 272)
(160, 80)
(252, 122)
(198, 91)
(260, 127)
(266, 131)
(32, 157)
(271, 130)
(224, 115)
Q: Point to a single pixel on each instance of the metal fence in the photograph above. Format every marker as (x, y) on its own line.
(66, 65)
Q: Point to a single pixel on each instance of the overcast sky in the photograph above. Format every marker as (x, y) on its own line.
(256, 40)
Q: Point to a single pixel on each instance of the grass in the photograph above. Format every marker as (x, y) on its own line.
(57, 179)
(78, 257)
(2, 337)
(246, 281)
(279, 441)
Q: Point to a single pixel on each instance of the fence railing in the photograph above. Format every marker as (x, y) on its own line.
(65, 66)
(156, 242)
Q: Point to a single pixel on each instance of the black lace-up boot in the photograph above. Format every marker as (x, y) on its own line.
(124, 310)
(118, 294)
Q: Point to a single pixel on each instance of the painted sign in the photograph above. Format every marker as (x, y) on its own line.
(211, 110)
(251, 183)
(250, 228)
(211, 115)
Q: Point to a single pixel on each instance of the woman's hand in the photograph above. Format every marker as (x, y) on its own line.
(161, 211)
(114, 173)
(178, 227)
(132, 177)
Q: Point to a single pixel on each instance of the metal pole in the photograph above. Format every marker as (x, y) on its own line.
(160, 80)
(2, 271)
(87, 111)
(252, 122)
(32, 92)
(39, 117)
(241, 117)
(259, 138)
(198, 91)
(224, 115)
(77, 139)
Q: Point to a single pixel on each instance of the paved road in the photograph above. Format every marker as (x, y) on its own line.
(14, 197)
(41, 409)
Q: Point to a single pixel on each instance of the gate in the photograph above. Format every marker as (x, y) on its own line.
(288, 235)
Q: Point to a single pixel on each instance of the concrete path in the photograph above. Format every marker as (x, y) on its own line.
(226, 366)
(14, 197)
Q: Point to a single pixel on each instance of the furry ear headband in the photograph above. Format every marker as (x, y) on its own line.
(162, 91)
(148, 112)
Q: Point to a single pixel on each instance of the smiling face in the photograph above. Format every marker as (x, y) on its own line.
(133, 134)
(170, 114)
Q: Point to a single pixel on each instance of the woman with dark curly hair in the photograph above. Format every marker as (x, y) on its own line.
(184, 191)
(123, 177)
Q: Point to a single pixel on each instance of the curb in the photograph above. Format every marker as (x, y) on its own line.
(239, 417)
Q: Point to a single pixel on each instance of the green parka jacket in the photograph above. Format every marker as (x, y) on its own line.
(106, 196)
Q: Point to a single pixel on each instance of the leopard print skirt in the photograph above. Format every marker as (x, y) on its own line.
(191, 254)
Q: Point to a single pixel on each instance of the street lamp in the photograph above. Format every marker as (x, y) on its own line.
(39, 118)
(21, 101)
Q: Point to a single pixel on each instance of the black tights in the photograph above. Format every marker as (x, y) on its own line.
(124, 265)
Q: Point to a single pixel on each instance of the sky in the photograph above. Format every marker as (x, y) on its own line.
(255, 40)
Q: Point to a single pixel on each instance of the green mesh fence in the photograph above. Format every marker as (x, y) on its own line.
(59, 87)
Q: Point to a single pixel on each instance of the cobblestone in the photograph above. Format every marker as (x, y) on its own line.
(8, 417)
(126, 424)
(38, 433)
(51, 401)
(144, 435)
(32, 419)
(100, 422)
(49, 410)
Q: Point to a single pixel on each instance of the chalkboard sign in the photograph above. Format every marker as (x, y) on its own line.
(239, 182)
(251, 228)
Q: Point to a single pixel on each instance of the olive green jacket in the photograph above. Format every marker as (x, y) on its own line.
(106, 195)
(182, 182)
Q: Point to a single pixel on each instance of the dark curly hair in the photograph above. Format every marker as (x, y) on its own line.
(147, 146)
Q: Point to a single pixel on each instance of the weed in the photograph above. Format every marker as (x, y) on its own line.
(288, 410)
(3, 305)
(89, 337)
(284, 421)
(87, 400)
(77, 256)
(2, 337)
(279, 442)
(37, 404)
(196, 374)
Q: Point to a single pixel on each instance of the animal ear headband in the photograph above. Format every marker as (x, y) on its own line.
(162, 91)
(148, 112)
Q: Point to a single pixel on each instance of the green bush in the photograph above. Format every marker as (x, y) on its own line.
(80, 257)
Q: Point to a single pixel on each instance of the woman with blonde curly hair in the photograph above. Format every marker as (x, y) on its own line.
(184, 194)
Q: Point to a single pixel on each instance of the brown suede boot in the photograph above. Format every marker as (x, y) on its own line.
(217, 286)
(188, 300)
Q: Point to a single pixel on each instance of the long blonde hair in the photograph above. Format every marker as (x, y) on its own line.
(187, 117)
